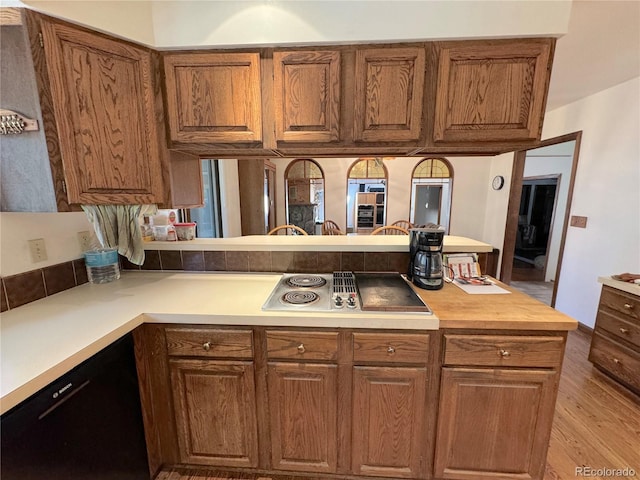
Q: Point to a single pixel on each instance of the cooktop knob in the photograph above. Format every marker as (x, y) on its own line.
(338, 302)
(351, 302)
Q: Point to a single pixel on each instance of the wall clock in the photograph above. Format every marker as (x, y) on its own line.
(498, 182)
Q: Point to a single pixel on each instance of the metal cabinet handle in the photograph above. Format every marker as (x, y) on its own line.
(301, 348)
(206, 346)
(624, 330)
(617, 361)
(391, 350)
(504, 353)
(628, 306)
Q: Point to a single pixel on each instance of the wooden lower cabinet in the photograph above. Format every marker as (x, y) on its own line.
(494, 423)
(389, 437)
(215, 412)
(303, 407)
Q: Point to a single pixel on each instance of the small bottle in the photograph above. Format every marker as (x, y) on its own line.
(171, 234)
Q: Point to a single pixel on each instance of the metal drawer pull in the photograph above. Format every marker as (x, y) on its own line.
(504, 353)
(206, 346)
(391, 350)
(301, 348)
(624, 330)
(628, 306)
(616, 361)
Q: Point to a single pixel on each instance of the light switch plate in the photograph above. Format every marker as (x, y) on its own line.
(580, 222)
(38, 250)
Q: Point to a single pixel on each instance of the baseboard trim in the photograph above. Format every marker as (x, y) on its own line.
(584, 328)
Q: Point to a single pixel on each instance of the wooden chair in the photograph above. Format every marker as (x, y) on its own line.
(329, 227)
(288, 230)
(406, 224)
(390, 230)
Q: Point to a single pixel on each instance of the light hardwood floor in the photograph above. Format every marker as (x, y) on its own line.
(596, 424)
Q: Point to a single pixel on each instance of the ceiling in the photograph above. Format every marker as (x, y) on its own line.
(600, 50)
(598, 45)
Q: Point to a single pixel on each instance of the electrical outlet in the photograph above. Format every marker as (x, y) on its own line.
(38, 250)
(84, 238)
(577, 221)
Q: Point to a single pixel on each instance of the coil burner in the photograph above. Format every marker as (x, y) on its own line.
(299, 297)
(306, 281)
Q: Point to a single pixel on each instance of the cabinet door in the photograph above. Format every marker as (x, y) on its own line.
(302, 404)
(389, 437)
(491, 91)
(307, 95)
(494, 423)
(104, 107)
(215, 411)
(389, 88)
(213, 97)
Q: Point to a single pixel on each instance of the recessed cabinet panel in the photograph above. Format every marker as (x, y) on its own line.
(389, 88)
(214, 97)
(389, 439)
(303, 407)
(477, 438)
(491, 91)
(215, 412)
(307, 95)
(104, 105)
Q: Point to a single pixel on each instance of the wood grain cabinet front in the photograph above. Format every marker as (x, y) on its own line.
(494, 423)
(213, 97)
(615, 345)
(215, 412)
(389, 92)
(104, 105)
(491, 91)
(307, 95)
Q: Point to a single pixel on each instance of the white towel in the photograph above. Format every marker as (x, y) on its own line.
(118, 226)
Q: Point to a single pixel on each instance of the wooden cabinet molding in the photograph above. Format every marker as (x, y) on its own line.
(307, 95)
(213, 97)
(104, 109)
(491, 91)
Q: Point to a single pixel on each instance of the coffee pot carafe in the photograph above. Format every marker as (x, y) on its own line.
(425, 251)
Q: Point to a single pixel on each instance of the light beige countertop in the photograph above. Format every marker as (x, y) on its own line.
(45, 339)
(628, 287)
(320, 243)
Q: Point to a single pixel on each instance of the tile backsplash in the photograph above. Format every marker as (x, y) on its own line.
(26, 287)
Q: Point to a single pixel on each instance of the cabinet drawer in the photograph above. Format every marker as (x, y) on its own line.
(616, 359)
(628, 305)
(210, 342)
(503, 350)
(302, 345)
(393, 348)
(619, 326)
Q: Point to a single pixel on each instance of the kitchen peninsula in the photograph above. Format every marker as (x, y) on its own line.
(466, 385)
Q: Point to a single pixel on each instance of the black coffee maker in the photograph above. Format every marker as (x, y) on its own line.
(425, 265)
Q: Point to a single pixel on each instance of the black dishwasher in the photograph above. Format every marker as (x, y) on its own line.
(85, 425)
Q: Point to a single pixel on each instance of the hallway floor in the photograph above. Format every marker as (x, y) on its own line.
(542, 291)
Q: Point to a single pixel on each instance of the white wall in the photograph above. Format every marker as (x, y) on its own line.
(59, 231)
(607, 191)
(229, 198)
(470, 189)
(127, 19)
(184, 23)
(225, 23)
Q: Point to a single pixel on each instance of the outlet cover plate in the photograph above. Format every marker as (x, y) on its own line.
(38, 250)
(84, 239)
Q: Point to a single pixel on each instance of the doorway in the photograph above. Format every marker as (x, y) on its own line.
(427, 205)
(541, 193)
(535, 219)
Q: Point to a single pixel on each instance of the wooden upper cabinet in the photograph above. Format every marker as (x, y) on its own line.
(491, 90)
(104, 108)
(213, 97)
(307, 95)
(389, 91)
